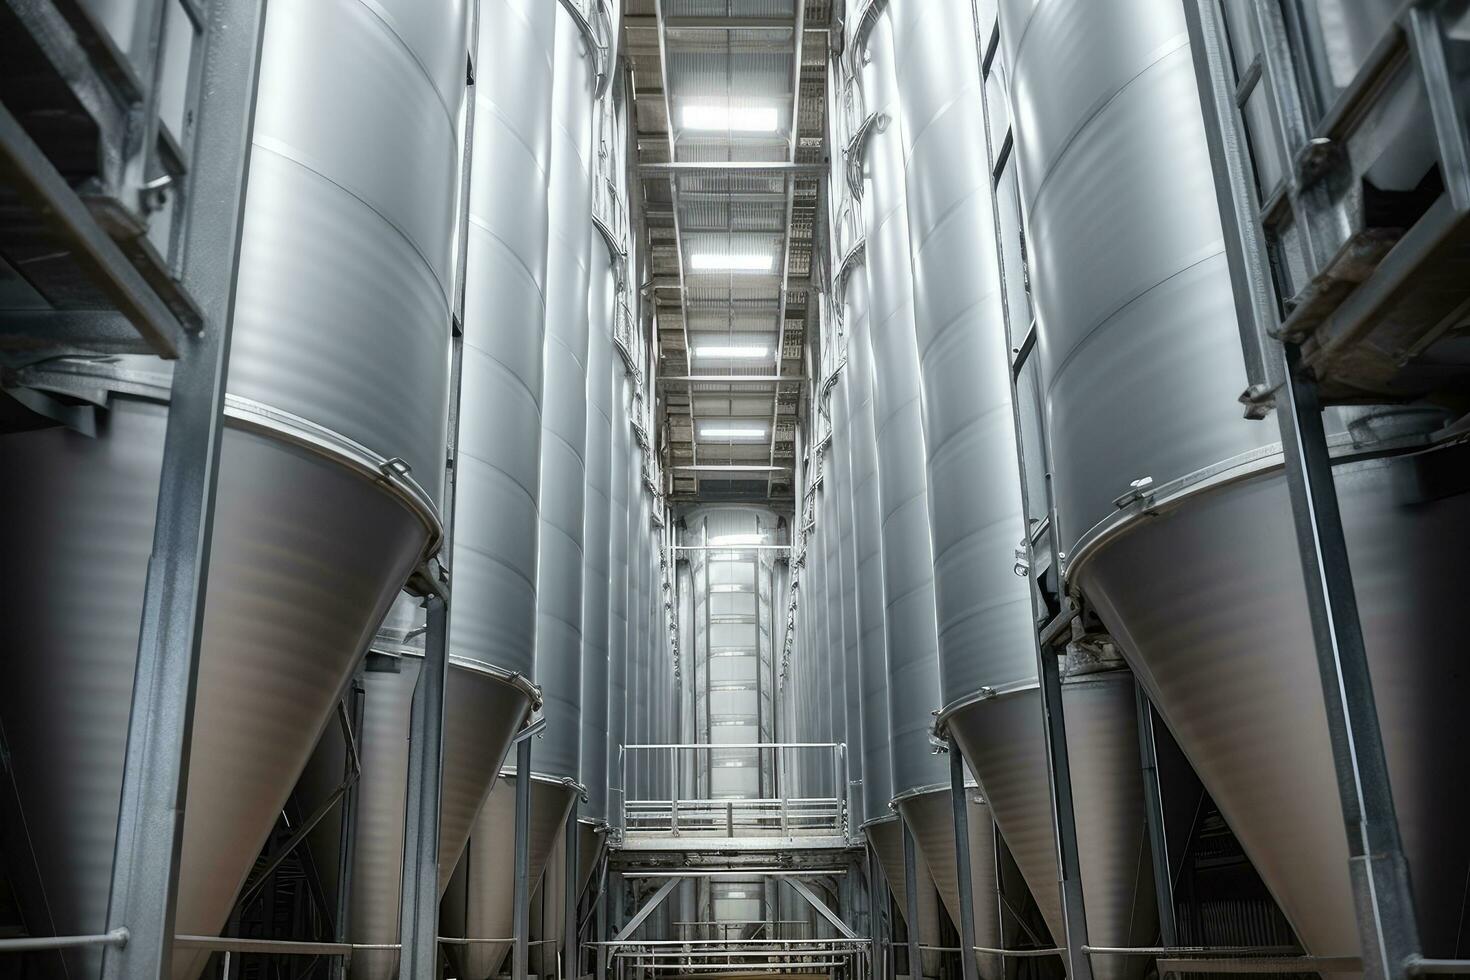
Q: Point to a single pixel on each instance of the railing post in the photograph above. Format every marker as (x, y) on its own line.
(674, 793)
(781, 783)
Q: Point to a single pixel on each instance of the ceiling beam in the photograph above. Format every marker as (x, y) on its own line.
(733, 167)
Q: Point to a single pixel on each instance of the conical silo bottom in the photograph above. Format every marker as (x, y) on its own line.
(479, 901)
(932, 817)
(472, 698)
(1003, 741)
(886, 836)
(1207, 602)
(591, 844)
(1101, 711)
(307, 556)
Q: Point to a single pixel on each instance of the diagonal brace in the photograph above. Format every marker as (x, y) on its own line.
(805, 891)
(647, 910)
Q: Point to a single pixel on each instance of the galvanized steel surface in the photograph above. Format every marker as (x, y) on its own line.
(1112, 837)
(867, 535)
(908, 564)
(931, 815)
(596, 587)
(1110, 148)
(346, 263)
(1141, 360)
(564, 407)
(1003, 738)
(1219, 637)
(986, 636)
(497, 459)
(290, 529)
(886, 837)
(478, 902)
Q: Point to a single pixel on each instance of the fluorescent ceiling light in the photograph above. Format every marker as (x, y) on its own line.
(734, 262)
(731, 432)
(734, 894)
(729, 588)
(729, 539)
(736, 119)
(734, 352)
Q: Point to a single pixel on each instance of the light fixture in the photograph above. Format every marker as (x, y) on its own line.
(735, 119)
(731, 262)
(729, 539)
(734, 894)
(735, 352)
(731, 432)
(729, 588)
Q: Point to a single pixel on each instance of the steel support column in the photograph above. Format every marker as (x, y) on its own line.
(1153, 812)
(419, 910)
(969, 969)
(145, 869)
(1069, 870)
(521, 894)
(347, 837)
(1387, 926)
(570, 945)
(911, 883)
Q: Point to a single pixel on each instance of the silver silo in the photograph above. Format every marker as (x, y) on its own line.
(338, 388)
(1200, 582)
(553, 51)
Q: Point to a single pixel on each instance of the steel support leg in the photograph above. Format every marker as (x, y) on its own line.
(911, 882)
(419, 911)
(1069, 871)
(878, 909)
(521, 896)
(968, 967)
(573, 968)
(150, 826)
(1387, 926)
(1153, 802)
(347, 839)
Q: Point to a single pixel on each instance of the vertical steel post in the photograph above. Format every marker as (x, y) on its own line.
(968, 968)
(911, 883)
(521, 896)
(1387, 925)
(347, 843)
(1069, 870)
(1153, 801)
(145, 869)
(570, 944)
(419, 912)
(878, 907)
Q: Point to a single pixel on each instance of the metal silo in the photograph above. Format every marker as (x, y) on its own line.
(1198, 579)
(564, 405)
(338, 389)
(543, 141)
(624, 464)
(986, 633)
(602, 307)
(852, 679)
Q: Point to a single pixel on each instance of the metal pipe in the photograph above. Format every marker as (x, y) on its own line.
(31, 944)
(521, 900)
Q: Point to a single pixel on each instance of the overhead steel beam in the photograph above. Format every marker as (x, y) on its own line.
(729, 468)
(733, 167)
(143, 893)
(647, 22)
(734, 379)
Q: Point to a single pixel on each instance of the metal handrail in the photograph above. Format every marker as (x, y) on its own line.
(33, 944)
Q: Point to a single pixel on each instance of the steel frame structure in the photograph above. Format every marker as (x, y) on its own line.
(1283, 376)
